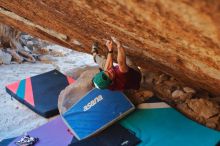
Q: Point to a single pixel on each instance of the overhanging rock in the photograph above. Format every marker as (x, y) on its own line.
(181, 38)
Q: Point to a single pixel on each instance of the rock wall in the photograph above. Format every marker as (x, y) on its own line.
(181, 38)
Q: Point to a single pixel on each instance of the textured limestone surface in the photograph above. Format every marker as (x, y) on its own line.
(181, 38)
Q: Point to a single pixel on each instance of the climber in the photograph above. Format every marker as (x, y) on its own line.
(125, 75)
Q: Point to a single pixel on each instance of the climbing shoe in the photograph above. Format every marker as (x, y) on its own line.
(95, 47)
(27, 140)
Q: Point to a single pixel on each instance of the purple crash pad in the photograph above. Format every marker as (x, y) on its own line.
(54, 133)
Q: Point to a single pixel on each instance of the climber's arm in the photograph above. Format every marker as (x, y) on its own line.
(109, 60)
(121, 58)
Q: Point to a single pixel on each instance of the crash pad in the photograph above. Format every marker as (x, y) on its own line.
(158, 124)
(53, 133)
(95, 111)
(40, 93)
(6, 142)
(115, 135)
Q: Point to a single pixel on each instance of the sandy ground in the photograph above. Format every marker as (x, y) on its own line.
(15, 118)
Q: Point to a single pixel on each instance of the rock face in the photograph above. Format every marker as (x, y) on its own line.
(195, 104)
(203, 108)
(181, 38)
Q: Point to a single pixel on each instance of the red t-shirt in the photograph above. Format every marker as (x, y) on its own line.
(128, 80)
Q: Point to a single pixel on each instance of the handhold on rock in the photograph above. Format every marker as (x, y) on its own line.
(162, 78)
(177, 94)
(189, 90)
(180, 95)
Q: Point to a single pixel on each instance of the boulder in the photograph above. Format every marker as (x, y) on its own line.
(204, 108)
(46, 58)
(5, 58)
(74, 92)
(181, 38)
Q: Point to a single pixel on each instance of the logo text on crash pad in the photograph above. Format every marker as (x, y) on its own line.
(92, 103)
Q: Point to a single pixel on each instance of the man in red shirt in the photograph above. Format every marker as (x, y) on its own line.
(123, 76)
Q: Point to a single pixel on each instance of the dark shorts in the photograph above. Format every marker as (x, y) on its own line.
(133, 79)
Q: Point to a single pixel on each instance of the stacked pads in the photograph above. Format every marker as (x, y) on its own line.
(93, 113)
(40, 93)
(154, 123)
(97, 110)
